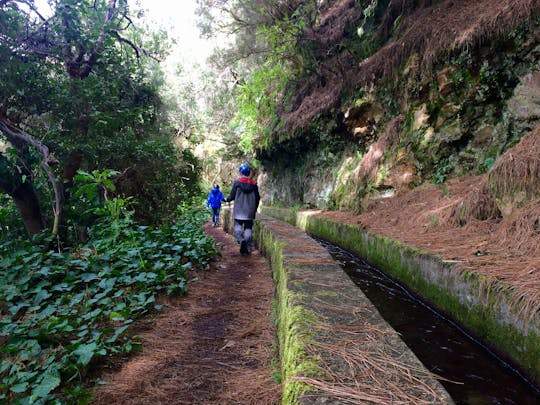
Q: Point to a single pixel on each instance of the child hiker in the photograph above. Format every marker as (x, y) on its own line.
(245, 194)
(215, 197)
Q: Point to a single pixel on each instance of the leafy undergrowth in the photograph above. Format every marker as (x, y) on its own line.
(61, 312)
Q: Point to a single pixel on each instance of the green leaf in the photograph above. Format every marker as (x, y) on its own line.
(41, 296)
(115, 316)
(5, 365)
(117, 333)
(51, 309)
(87, 277)
(19, 388)
(49, 382)
(16, 308)
(85, 353)
(187, 266)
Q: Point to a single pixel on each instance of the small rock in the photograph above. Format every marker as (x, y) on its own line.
(443, 81)
(525, 102)
(421, 117)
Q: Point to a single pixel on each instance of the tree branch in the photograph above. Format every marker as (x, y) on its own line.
(32, 7)
(126, 41)
(15, 135)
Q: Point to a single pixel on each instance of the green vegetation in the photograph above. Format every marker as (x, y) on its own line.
(96, 193)
(80, 89)
(294, 323)
(261, 67)
(64, 310)
(257, 104)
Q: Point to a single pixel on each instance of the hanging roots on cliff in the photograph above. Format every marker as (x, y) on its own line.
(444, 27)
(423, 28)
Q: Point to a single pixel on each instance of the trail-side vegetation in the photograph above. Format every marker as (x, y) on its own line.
(64, 312)
(259, 66)
(80, 89)
(96, 188)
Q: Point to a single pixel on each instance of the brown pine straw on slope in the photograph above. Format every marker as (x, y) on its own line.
(520, 232)
(478, 204)
(515, 173)
(518, 170)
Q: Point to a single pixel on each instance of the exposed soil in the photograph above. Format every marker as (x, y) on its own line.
(213, 346)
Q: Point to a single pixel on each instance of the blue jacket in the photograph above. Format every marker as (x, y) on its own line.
(215, 197)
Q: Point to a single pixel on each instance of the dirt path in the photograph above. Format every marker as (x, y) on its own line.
(214, 346)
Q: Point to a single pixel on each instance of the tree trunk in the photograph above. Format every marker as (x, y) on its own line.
(21, 140)
(27, 203)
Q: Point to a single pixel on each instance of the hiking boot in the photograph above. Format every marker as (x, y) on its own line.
(244, 248)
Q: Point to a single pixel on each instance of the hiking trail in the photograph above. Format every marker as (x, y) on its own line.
(213, 346)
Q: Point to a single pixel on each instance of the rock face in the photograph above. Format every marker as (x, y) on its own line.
(361, 121)
(459, 117)
(444, 82)
(525, 102)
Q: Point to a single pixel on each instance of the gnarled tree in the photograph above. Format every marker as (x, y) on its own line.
(70, 84)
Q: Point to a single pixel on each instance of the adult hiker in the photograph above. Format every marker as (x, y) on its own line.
(215, 197)
(245, 194)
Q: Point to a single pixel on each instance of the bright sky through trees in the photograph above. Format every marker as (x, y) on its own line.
(178, 18)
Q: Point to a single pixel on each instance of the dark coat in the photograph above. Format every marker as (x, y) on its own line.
(245, 194)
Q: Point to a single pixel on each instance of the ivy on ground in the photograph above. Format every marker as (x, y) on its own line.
(63, 311)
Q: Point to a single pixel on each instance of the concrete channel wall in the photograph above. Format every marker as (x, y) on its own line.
(334, 346)
(478, 303)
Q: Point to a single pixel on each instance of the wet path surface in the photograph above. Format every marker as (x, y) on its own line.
(476, 375)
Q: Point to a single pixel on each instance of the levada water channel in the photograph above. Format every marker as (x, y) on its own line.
(472, 374)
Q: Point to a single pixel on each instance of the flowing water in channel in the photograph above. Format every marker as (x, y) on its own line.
(445, 349)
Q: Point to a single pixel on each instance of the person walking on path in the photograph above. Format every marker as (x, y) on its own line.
(245, 194)
(215, 197)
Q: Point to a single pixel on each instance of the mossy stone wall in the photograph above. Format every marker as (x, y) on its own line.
(478, 303)
(316, 307)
